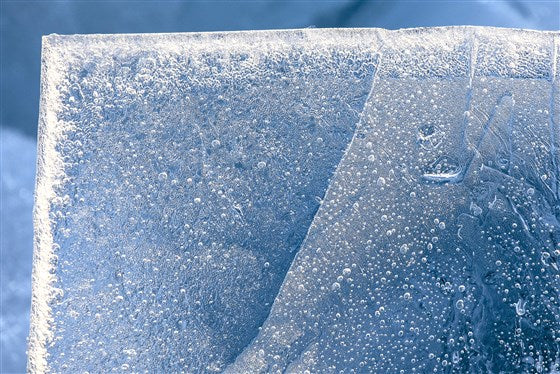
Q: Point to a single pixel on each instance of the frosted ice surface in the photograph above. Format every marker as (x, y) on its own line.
(178, 175)
(436, 247)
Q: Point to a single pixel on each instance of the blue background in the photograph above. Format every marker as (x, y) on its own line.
(24, 22)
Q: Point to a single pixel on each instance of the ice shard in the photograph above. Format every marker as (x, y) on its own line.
(301, 200)
(436, 247)
(177, 177)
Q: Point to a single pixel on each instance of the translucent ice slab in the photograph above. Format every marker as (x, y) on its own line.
(177, 178)
(436, 247)
(180, 174)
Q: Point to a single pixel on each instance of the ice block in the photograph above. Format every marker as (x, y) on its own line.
(355, 200)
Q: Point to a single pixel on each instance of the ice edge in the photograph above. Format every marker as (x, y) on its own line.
(48, 176)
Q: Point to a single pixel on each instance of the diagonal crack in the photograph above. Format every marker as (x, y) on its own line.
(378, 59)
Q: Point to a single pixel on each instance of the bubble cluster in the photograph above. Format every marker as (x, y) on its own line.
(456, 238)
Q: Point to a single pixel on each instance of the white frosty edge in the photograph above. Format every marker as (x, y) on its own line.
(311, 32)
(49, 176)
(234, 41)
(243, 41)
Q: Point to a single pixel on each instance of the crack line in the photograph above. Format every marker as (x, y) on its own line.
(378, 58)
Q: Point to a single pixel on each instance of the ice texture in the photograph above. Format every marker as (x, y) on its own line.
(436, 247)
(321, 200)
(178, 174)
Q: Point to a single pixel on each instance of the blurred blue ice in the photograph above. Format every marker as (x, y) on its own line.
(22, 24)
(17, 162)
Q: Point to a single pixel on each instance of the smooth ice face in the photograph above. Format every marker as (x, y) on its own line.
(178, 175)
(436, 247)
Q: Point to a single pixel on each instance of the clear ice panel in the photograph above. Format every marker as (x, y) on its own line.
(437, 245)
(177, 177)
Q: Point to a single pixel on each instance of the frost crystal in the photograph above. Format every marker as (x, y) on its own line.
(177, 215)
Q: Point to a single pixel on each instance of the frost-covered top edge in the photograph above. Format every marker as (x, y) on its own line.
(263, 34)
(269, 38)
